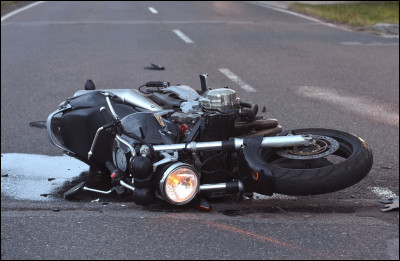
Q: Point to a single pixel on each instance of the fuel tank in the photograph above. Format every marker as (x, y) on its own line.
(129, 97)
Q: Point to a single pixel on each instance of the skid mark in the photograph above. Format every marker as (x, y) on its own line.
(374, 110)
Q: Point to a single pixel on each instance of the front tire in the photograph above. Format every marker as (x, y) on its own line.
(349, 164)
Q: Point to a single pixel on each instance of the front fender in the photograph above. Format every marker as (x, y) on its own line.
(254, 173)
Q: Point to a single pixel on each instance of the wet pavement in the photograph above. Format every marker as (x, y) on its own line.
(37, 177)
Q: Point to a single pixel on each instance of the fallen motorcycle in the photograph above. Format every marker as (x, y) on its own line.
(173, 143)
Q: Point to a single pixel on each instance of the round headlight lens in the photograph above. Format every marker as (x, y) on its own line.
(179, 184)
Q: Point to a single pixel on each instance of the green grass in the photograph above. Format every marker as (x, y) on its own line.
(6, 2)
(354, 14)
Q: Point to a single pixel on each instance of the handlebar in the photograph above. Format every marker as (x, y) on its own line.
(113, 113)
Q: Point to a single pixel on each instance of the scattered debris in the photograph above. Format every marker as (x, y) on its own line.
(264, 109)
(203, 205)
(155, 67)
(38, 124)
(387, 201)
(392, 205)
(95, 200)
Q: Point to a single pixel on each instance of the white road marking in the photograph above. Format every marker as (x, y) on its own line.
(370, 44)
(153, 10)
(182, 36)
(389, 36)
(20, 10)
(233, 77)
(383, 193)
(365, 106)
(137, 22)
(299, 15)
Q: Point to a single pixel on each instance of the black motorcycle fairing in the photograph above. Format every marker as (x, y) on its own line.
(88, 100)
(79, 140)
(146, 126)
(254, 174)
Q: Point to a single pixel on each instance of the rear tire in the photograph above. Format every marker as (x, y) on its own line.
(319, 176)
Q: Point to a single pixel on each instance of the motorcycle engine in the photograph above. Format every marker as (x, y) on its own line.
(221, 99)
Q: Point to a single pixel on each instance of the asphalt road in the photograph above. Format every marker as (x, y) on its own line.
(307, 74)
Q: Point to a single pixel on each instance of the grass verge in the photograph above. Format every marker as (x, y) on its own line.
(365, 13)
(5, 3)
(9, 6)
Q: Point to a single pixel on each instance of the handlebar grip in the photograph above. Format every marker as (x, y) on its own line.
(157, 84)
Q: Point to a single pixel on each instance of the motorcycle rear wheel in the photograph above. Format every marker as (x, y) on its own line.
(346, 166)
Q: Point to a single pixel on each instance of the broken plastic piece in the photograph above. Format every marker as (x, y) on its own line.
(203, 205)
(392, 206)
(155, 67)
(38, 124)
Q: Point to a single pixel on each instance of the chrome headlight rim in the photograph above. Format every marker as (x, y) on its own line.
(171, 169)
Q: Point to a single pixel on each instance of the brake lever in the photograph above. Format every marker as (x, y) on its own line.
(114, 115)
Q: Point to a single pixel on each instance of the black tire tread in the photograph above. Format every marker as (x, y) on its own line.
(326, 179)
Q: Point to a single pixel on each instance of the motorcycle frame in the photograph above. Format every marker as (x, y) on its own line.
(233, 143)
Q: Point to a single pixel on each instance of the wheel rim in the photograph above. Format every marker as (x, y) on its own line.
(329, 150)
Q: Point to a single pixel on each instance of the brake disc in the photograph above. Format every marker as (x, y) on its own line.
(322, 146)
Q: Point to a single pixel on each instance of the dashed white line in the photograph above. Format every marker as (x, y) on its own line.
(114, 22)
(233, 77)
(20, 10)
(183, 36)
(153, 10)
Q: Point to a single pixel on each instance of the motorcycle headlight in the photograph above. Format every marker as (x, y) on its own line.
(179, 183)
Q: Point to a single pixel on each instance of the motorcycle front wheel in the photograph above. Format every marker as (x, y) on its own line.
(336, 161)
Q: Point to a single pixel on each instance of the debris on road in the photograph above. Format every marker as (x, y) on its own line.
(390, 204)
(155, 67)
(38, 124)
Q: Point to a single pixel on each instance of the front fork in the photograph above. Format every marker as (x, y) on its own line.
(236, 143)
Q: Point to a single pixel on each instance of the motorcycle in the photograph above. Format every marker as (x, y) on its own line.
(178, 145)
